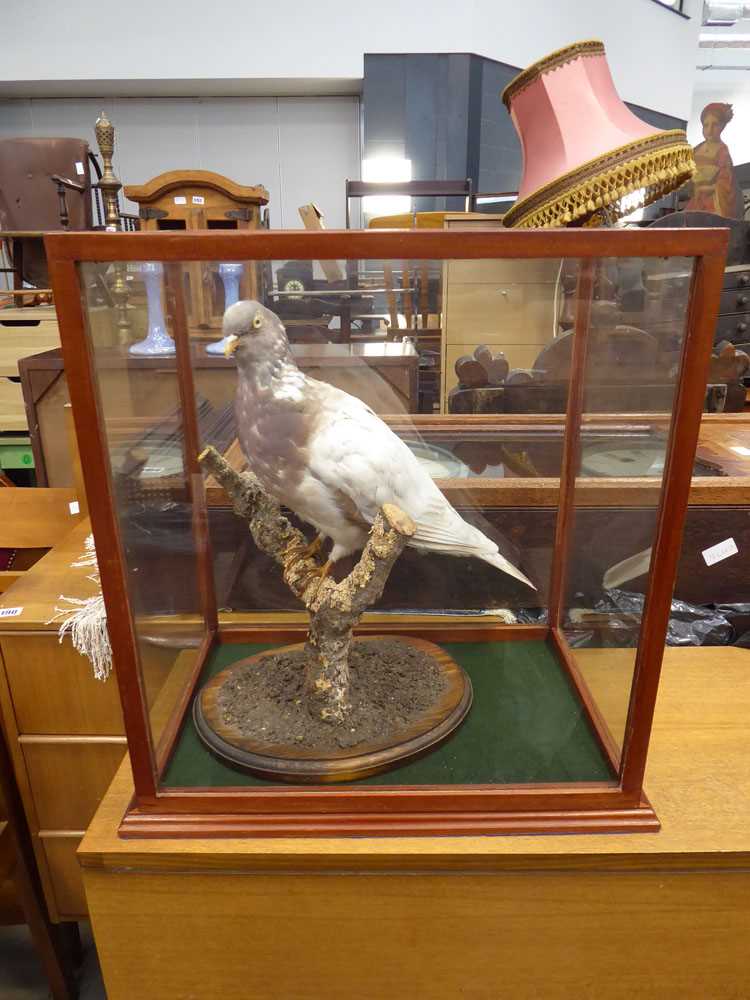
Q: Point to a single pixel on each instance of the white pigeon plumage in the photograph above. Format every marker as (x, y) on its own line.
(327, 456)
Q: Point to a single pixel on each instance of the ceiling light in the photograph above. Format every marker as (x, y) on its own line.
(386, 170)
(722, 13)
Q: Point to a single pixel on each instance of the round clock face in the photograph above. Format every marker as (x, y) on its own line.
(294, 285)
(612, 460)
(439, 463)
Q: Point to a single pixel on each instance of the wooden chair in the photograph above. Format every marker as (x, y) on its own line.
(46, 185)
(412, 189)
(408, 220)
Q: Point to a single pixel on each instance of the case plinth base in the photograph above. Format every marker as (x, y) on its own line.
(638, 819)
(291, 763)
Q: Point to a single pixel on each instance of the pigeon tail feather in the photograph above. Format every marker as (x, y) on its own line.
(501, 563)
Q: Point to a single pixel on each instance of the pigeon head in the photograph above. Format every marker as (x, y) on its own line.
(254, 333)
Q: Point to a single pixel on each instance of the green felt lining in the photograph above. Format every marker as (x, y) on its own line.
(526, 725)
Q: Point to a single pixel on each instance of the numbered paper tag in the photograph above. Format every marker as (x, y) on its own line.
(75, 507)
(198, 199)
(10, 612)
(723, 550)
(79, 168)
(180, 200)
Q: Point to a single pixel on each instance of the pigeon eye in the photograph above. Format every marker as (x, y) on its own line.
(257, 321)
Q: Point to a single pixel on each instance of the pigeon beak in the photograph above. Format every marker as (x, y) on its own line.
(231, 345)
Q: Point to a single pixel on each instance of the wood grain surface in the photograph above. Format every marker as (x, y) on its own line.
(696, 779)
(657, 916)
(724, 440)
(37, 518)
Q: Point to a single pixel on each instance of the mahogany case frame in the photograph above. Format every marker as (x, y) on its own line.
(607, 806)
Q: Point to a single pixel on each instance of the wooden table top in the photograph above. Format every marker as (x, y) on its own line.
(39, 589)
(697, 779)
(326, 355)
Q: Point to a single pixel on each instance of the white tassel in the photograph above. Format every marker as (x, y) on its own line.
(87, 625)
(86, 621)
(89, 556)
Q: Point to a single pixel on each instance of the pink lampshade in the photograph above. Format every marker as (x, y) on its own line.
(583, 150)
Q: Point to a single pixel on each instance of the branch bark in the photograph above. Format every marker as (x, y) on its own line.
(334, 608)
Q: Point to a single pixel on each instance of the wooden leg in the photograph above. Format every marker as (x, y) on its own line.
(70, 933)
(408, 308)
(17, 253)
(390, 296)
(424, 294)
(48, 937)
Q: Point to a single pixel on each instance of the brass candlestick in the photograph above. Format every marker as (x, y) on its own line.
(110, 185)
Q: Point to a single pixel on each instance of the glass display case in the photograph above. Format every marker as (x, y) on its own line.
(252, 510)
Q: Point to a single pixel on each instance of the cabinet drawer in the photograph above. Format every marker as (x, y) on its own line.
(12, 409)
(55, 693)
(489, 270)
(736, 300)
(499, 313)
(68, 778)
(735, 329)
(54, 690)
(23, 341)
(66, 876)
(736, 277)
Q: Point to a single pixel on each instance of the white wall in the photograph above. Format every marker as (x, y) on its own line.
(651, 50)
(300, 149)
(190, 47)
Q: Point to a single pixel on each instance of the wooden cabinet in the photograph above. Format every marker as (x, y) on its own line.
(64, 727)
(22, 332)
(383, 375)
(201, 199)
(446, 917)
(734, 309)
(505, 304)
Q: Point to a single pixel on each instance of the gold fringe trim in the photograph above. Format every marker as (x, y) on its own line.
(590, 47)
(597, 188)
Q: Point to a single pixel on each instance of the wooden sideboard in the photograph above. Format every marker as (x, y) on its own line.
(504, 304)
(22, 332)
(64, 728)
(656, 916)
(384, 375)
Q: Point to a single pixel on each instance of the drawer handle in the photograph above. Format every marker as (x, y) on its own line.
(742, 300)
(744, 281)
(741, 327)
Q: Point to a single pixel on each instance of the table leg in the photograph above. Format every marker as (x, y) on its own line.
(16, 249)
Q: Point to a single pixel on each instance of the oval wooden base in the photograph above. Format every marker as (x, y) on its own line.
(289, 762)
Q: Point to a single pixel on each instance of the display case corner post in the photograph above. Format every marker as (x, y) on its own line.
(170, 733)
(191, 444)
(701, 313)
(79, 367)
(571, 455)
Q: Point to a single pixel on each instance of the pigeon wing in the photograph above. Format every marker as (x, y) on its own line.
(355, 452)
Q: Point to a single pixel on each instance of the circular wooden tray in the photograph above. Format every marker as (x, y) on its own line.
(290, 762)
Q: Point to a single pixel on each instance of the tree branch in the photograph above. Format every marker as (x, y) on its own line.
(335, 608)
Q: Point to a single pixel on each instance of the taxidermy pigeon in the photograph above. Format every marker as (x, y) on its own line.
(327, 456)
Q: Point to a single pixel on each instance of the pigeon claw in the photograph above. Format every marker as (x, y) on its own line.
(313, 548)
(301, 552)
(319, 573)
